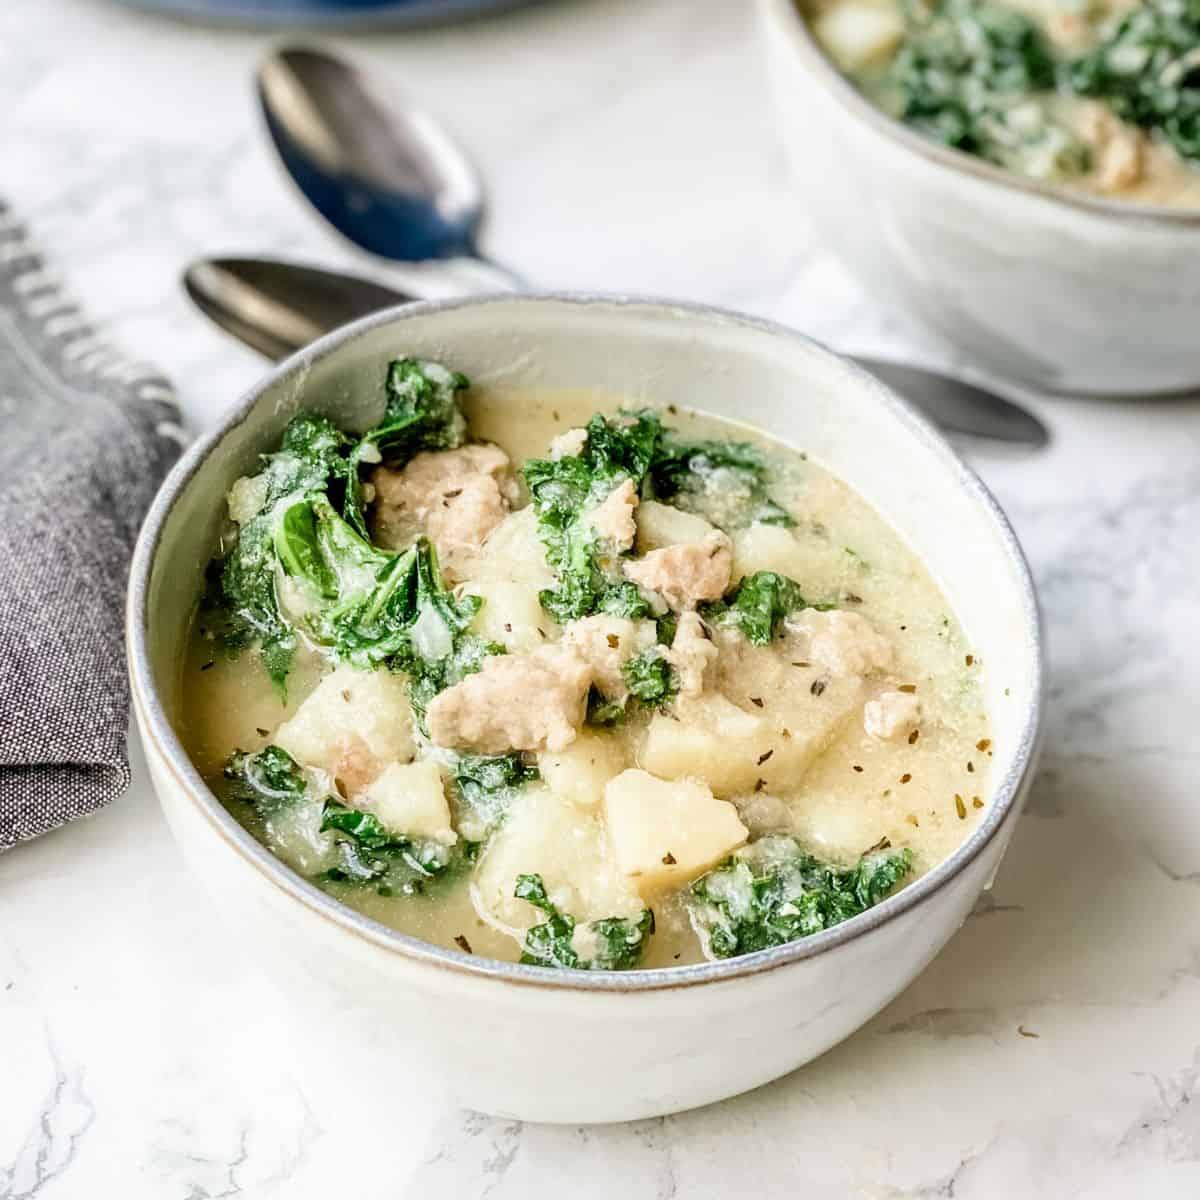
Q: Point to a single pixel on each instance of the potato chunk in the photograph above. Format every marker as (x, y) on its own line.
(352, 725)
(511, 614)
(859, 34)
(735, 751)
(665, 833)
(512, 552)
(581, 770)
(767, 548)
(664, 525)
(565, 843)
(409, 799)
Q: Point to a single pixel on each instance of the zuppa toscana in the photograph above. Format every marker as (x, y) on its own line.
(1099, 95)
(583, 685)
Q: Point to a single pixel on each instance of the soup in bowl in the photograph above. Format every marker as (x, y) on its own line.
(1020, 175)
(602, 667)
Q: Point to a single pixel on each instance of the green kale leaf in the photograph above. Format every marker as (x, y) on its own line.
(771, 892)
(564, 491)
(242, 583)
(652, 682)
(1148, 72)
(963, 76)
(486, 785)
(371, 854)
(758, 605)
(724, 482)
(650, 678)
(269, 779)
(308, 513)
(422, 412)
(617, 943)
(373, 608)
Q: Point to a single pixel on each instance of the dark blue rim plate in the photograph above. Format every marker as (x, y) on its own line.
(325, 14)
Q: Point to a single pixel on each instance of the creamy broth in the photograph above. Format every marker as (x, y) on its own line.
(1057, 118)
(922, 788)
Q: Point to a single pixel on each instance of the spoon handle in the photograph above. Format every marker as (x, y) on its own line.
(279, 307)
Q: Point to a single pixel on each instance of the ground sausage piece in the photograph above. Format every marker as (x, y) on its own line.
(842, 642)
(691, 653)
(456, 496)
(515, 702)
(606, 644)
(613, 517)
(685, 574)
(894, 713)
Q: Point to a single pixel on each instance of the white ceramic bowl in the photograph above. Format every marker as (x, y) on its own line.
(1066, 291)
(530, 1042)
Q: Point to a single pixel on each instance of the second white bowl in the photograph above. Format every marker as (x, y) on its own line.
(1066, 291)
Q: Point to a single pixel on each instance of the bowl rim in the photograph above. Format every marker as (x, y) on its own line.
(789, 25)
(156, 727)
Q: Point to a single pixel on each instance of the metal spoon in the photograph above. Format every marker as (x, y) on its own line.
(383, 173)
(278, 307)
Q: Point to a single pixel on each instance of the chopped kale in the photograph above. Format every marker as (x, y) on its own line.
(650, 678)
(372, 608)
(371, 854)
(303, 514)
(243, 584)
(486, 784)
(771, 892)
(564, 492)
(422, 412)
(652, 683)
(269, 779)
(624, 600)
(757, 605)
(963, 76)
(614, 943)
(724, 482)
(1148, 72)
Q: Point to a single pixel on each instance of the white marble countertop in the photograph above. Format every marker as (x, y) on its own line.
(1052, 1050)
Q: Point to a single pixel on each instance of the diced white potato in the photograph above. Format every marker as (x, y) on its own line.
(511, 614)
(735, 751)
(352, 725)
(767, 548)
(665, 833)
(580, 772)
(710, 739)
(665, 525)
(410, 799)
(859, 33)
(512, 552)
(565, 843)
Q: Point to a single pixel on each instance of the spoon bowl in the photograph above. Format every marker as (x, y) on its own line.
(383, 173)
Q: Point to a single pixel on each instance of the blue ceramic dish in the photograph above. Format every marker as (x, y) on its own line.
(325, 14)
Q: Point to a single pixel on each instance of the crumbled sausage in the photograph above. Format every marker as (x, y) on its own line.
(691, 653)
(613, 517)
(456, 496)
(685, 574)
(606, 644)
(530, 701)
(892, 714)
(842, 642)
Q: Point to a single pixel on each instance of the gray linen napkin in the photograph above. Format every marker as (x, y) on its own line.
(85, 438)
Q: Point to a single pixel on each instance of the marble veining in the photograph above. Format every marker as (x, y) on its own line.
(1051, 1051)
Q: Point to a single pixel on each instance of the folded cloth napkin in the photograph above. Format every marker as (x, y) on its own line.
(85, 438)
